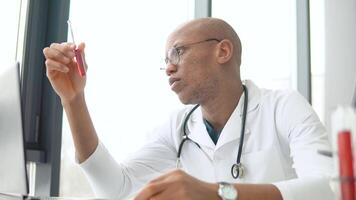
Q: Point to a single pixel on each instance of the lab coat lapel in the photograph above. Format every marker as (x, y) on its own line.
(254, 97)
(232, 129)
(197, 130)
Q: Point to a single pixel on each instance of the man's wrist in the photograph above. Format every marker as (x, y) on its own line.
(78, 99)
(214, 187)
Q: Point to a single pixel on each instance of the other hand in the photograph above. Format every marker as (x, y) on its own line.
(178, 185)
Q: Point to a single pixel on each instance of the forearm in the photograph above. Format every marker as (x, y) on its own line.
(82, 128)
(253, 191)
(258, 191)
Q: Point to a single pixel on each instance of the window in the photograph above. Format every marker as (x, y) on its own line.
(125, 42)
(9, 21)
(317, 41)
(267, 30)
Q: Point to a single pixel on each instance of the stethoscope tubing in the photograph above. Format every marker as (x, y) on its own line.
(185, 136)
(242, 134)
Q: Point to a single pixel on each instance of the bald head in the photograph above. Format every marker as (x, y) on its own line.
(203, 59)
(204, 28)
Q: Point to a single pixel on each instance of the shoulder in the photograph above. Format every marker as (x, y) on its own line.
(275, 98)
(283, 97)
(284, 105)
(290, 109)
(290, 102)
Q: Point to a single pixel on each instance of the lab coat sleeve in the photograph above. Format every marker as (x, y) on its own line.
(113, 180)
(300, 127)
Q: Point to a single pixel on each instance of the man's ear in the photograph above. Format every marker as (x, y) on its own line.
(224, 51)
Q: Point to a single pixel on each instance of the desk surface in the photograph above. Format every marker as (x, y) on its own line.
(4, 196)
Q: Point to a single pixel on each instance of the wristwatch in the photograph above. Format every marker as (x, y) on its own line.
(227, 191)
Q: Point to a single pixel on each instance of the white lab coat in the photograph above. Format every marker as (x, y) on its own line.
(282, 137)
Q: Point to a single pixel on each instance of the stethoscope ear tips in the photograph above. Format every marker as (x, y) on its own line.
(237, 170)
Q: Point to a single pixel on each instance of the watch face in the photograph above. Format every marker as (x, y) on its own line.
(228, 192)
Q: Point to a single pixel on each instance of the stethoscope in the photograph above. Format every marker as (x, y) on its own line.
(237, 169)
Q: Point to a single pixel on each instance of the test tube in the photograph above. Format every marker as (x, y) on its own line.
(78, 54)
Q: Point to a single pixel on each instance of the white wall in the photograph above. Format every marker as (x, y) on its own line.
(340, 54)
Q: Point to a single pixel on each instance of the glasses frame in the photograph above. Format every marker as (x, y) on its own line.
(175, 51)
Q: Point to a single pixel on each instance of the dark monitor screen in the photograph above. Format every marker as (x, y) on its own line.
(13, 176)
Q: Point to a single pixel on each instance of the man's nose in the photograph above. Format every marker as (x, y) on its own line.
(170, 69)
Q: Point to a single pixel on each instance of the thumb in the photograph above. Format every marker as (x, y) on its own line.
(81, 47)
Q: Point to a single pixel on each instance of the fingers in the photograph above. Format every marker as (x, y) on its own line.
(81, 46)
(151, 190)
(164, 195)
(59, 56)
(175, 173)
(160, 185)
(64, 49)
(54, 65)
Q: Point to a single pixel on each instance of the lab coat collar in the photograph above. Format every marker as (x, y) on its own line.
(197, 130)
(254, 97)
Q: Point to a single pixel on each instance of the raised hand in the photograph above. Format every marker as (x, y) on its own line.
(62, 72)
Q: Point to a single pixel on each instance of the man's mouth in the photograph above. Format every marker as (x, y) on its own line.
(173, 80)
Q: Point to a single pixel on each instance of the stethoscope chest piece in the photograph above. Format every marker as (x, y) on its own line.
(237, 170)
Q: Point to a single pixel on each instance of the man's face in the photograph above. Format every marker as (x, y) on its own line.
(193, 78)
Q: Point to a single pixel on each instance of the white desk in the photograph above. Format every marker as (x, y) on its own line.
(4, 196)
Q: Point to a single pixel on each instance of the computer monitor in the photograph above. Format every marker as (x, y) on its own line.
(13, 176)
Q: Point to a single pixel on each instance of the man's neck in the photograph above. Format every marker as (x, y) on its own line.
(219, 109)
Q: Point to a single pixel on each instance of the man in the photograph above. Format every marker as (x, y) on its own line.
(278, 132)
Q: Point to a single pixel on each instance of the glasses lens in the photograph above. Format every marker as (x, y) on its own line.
(172, 56)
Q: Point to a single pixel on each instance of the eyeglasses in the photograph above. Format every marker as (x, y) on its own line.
(173, 54)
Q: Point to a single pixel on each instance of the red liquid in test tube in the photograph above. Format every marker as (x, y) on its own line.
(347, 184)
(80, 62)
